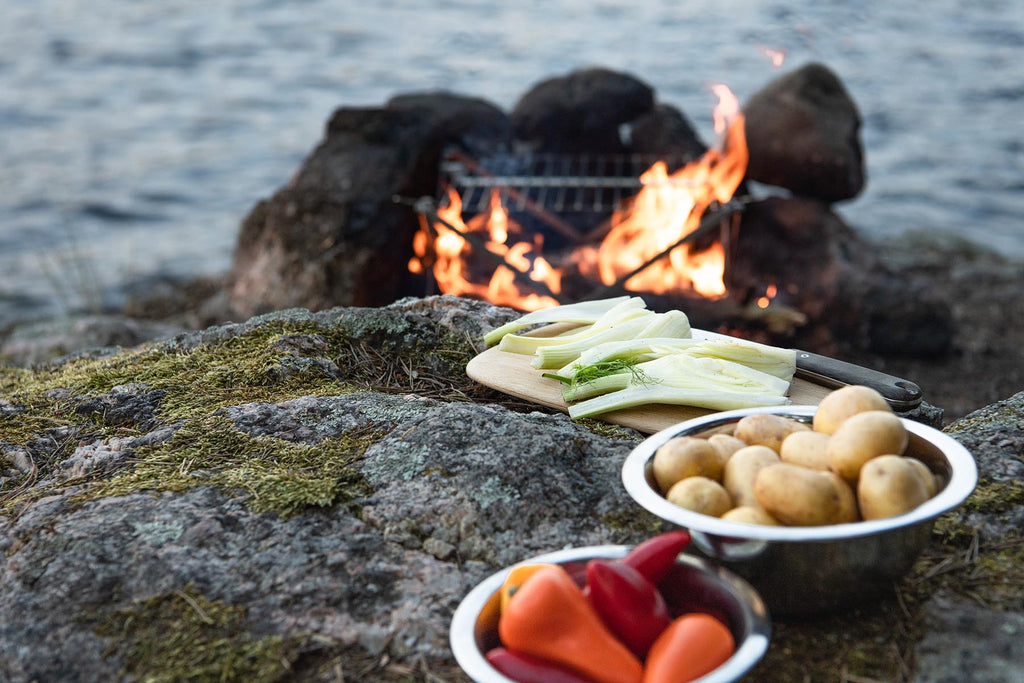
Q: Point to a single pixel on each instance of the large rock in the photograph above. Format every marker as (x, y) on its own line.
(581, 112)
(306, 495)
(803, 134)
(335, 235)
(819, 266)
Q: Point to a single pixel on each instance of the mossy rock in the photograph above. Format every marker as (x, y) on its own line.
(305, 496)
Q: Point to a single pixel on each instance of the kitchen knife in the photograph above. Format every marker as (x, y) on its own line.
(899, 393)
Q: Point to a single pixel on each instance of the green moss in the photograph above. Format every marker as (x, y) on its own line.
(608, 430)
(257, 366)
(182, 636)
(995, 497)
(635, 520)
(240, 369)
(279, 476)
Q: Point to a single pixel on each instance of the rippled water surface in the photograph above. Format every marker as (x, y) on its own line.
(134, 137)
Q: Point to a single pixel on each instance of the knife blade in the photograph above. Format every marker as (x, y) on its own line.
(899, 393)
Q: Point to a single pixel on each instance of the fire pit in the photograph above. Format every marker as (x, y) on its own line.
(591, 188)
(622, 222)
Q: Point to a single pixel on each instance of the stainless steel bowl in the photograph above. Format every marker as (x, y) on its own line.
(810, 570)
(703, 585)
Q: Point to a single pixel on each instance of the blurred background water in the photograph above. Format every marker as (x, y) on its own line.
(135, 136)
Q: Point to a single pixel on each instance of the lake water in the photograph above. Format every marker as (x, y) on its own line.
(134, 137)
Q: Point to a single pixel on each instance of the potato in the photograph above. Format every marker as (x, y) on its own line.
(685, 456)
(750, 514)
(848, 510)
(700, 494)
(798, 496)
(889, 485)
(806, 449)
(862, 437)
(764, 429)
(740, 470)
(843, 403)
(931, 483)
(726, 445)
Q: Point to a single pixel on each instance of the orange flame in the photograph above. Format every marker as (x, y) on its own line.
(453, 256)
(666, 209)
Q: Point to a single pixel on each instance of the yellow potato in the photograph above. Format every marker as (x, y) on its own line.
(750, 514)
(798, 496)
(930, 480)
(843, 403)
(889, 485)
(685, 456)
(862, 437)
(700, 494)
(740, 470)
(847, 511)
(806, 449)
(765, 429)
(726, 445)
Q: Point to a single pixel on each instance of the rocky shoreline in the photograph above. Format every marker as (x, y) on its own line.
(307, 496)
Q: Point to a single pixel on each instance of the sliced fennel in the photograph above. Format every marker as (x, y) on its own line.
(679, 379)
(630, 350)
(622, 354)
(582, 313)
(620, 313)
(771, 359)
(701, 398)
(661, 325)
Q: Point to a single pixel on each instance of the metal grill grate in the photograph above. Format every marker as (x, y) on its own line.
(557, 183)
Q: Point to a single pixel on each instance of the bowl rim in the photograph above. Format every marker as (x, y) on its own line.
(963, 479)
(462, 638)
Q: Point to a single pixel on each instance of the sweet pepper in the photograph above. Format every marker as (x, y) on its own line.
(654, 557)
(525, 668)
(548, 617)
(693, 645)
(515, 579)
(629, 605)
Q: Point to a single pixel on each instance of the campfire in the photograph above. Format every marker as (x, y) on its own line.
(650, 243)
(592, 188)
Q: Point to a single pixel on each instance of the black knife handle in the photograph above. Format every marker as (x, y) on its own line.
(901, 394)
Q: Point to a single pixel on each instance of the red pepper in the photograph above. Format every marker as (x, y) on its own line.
(655, 556)
(525, 668)
(630, 606)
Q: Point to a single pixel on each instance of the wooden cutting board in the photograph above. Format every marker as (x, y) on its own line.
(511, 373)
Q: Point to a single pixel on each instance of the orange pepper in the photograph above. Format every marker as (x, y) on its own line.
(515, 579)
(693, 645)
(549, 617)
